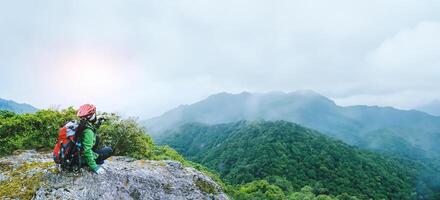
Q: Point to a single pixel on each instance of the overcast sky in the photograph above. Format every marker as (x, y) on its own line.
(142, 58)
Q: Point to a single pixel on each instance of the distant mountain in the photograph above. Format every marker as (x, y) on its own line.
(225, 107)
(291, 156)
(432, 108)
(410, 133)
(16, 107)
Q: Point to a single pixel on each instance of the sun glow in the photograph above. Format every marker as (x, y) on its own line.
(90, 74)
(80, 74)
(93, 74)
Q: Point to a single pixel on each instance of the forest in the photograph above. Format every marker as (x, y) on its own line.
(291, 157)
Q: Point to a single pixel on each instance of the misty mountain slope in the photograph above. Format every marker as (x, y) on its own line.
(293, 156)
(301, 107)
(16, 107)
(432, 108)
(357, 125)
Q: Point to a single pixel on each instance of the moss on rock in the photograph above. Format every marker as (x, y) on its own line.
(205, 186)
(5, 167)
(24, 180)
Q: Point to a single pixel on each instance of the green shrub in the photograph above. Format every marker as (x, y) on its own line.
(31, 131)
(126, 137)
(260, 189)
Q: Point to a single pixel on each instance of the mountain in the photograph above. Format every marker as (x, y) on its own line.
(291, 156)
(432, 108)
(33, 175)
(410, 133)
(16, 107)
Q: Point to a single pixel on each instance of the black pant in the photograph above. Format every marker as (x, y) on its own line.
(103, 153)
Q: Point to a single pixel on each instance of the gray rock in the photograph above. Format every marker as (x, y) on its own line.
(125, 178)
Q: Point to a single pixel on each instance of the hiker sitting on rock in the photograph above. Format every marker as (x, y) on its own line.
(93, 157)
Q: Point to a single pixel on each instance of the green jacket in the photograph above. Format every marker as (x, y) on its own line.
(88, 141)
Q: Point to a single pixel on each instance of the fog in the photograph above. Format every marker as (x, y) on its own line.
(142, 58)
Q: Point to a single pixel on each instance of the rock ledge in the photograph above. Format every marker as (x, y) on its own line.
(35, 175)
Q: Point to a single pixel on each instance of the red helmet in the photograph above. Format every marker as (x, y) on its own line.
(86, 111)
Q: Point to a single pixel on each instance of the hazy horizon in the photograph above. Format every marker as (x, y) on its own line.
(142, 58)
(425, 110)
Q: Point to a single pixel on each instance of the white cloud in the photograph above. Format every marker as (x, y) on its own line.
(411, 57)
(164, 53)
(403, 71)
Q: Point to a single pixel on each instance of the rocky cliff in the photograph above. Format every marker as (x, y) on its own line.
(33, 175)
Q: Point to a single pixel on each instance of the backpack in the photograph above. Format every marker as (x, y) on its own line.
(68, 147)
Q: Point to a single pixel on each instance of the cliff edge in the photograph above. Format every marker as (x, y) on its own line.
(33, 175)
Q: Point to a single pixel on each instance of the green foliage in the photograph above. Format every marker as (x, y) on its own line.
(263, 190)
(306, 193)
(166, 153)
(126, 137)
(259, 190)
(6, 114)
(31, 131)
(40, 130)
(290, 157)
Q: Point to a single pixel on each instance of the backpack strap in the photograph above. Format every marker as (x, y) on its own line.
(83, 124)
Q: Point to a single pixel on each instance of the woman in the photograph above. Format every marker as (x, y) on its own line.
(93, 157)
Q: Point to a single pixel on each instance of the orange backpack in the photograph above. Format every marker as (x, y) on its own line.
(68, 147)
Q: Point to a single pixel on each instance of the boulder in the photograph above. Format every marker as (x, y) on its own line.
(33, 175)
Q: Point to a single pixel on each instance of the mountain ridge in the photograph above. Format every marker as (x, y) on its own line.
(432, 107)
(13, 106)
(352, 124)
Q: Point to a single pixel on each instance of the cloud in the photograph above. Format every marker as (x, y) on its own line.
(410, 59)
(402, 71)
(162, 54)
